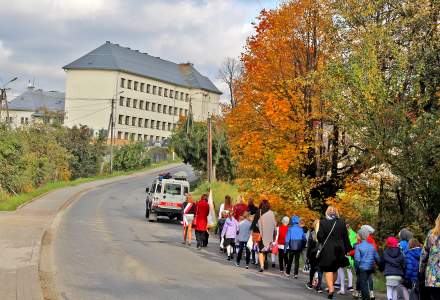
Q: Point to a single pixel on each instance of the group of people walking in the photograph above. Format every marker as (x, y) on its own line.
(330, 249)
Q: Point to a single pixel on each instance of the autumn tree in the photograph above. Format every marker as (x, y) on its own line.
(229, 72)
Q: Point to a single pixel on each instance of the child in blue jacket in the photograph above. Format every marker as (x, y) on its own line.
(365, 257)
(412, 259)
(294, 244)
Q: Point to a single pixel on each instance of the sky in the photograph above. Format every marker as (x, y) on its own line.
(39, 37)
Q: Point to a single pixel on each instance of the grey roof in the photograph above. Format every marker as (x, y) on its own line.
(111, 56)
(37, 100)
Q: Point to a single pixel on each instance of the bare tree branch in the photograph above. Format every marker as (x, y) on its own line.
(230, 70)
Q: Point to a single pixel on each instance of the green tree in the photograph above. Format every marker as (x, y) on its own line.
(131, 156)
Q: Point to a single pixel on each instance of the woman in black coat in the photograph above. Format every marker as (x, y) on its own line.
(333, 254)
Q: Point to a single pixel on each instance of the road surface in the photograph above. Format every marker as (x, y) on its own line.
(105, 249)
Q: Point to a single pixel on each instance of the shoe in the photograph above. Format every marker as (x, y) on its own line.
(295, 276)
(350, 289)
(372, 295)
(261, 270)
(287, 275)
(237, 264)
(341, 293)
(337, 286)
(247, 266)
(183, 242)
(229, 258)
(330, 296)
(356, 294)
(273, 265)
(309, 286)
(319, 290)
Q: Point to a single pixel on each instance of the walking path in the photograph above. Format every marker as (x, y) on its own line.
(23, 233)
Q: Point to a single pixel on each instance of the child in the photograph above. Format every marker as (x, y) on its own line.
(293, 245)
(244, 233)
(229, 234)
(412, 260)
(219, 228)
(393, 262)
(281, 237)
(312, 249)
(364, 258)
(404, 236)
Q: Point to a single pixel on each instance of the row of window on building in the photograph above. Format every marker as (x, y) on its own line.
(24, 120)
(133, 136)
(152, 89)
(145, 123)
(151, 106)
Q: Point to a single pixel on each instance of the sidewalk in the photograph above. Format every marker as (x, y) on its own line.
(21, 235)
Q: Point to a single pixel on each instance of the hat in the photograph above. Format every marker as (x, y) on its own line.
(405, 234)
(368, 228)
(285, 220)
(392, 242)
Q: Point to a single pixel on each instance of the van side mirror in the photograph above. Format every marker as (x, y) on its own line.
(147, 190)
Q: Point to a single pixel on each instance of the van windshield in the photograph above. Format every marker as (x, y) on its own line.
(173, 189)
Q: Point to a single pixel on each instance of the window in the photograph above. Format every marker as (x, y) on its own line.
(186, 112)
(173, 189)
(181, 95)
(171, 93)
(145, 137)
(128, 102)
(140, 122)
(159, 108)
(151, 138)
(157, 124)
(157, 138)
(119, 135)
(135, 85)
(126, 135)
(26, 120)
(129, 84)
(153, 106)
(22, 120)
(180, 111)
(141, 104)
(154, 89)
(160, 91)
(135, 103)
(121, 117)
(170, 109)
(133, 121)
(186, 97)
(147, 105)
(142, 87)
(139, 137)
(121, 101)
(159, 188)
(146, 123)
(163, 125)
(175, 111)
(169, 126)
(148, 88)
(127, 120)
(152, 124)
(132, 136)
(122, 82)
(164, 109)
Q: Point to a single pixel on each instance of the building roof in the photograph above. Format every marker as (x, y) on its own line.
(111, 56)
(37, 100)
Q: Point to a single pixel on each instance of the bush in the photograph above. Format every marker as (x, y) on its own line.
(131, 156)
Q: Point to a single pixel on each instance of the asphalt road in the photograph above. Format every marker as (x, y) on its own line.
(105, 249)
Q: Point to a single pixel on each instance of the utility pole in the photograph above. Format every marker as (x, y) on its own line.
(209, 163)
(112, 126)
(3, 98)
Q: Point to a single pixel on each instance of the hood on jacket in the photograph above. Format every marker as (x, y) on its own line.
(392, 242)
(230, 221)
(363, 233)
(415, 252)
(392, 252)
(294, 220)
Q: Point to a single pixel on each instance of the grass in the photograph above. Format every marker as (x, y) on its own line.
(219, 191)
(15, 201)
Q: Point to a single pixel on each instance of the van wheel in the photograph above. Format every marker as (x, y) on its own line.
(152, 217)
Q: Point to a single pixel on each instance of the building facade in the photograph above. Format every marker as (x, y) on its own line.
(34, 106)
(149, 94)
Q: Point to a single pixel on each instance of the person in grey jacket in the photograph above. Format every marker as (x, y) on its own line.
(244, 233)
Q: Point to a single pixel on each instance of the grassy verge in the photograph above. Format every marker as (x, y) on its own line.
(219, 191)
(15, 201)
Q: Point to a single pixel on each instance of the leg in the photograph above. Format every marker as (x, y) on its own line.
(390, 290)
(341, 277)
(370, 285)
(273, 258)
(329, 278)
(185, 230)
(297, 255)
(281, 259)
(318, 285)
(289, 261)
(261, 258)
(312, 273)
(248, 255)
(189, 233)
(363, 285)
(240, 252)
(350, 278)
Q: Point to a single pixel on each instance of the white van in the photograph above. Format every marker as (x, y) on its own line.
(166, 195)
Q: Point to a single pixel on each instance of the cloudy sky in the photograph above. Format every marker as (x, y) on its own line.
(39, 37)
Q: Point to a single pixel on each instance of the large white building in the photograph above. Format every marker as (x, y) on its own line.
(151, 94)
